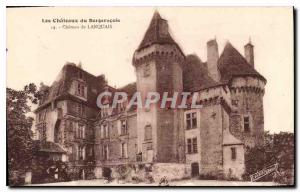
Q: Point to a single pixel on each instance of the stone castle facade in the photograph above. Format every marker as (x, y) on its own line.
(210, 140)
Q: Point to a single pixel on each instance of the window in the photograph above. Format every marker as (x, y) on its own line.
(139, 157)
(124, 150)
(247, 103)
(149, 155)
(80, 89)
(247, 124)
(105, 152)
(57, 132)
(102, 130)
(191, 120)
(80, 131)
(195, 150)
(104, 112)
(189, 145)
(106, 132)
(147, 70)
(80, 109)
(234, 102)
(80, 153)
(123, 127)
(148, 132)
(192, 145)
(40, 117)
(121, 106)
(42, 133)
(91, 151)
(71, 126)
(233, 153)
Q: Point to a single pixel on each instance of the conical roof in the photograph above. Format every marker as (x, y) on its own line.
(157, 32)
(232, 63)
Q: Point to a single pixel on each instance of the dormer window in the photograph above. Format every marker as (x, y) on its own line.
(163, 32)
(80, 89)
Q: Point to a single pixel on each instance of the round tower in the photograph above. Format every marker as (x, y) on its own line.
(247, 88)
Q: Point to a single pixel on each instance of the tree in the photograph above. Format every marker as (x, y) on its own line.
(254, 160)
(19, 135)
(278, 148)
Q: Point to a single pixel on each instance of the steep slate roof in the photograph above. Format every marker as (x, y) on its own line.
(155, 35)
(130, 88)
(60, 87)
(195, 75)
(231, 63)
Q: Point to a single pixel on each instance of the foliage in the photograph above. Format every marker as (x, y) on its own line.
(278, 148)
(19, 134)
(44, 170)
(122, 172)
(106, 172)
(254, 160)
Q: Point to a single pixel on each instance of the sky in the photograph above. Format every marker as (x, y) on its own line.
(36, 52)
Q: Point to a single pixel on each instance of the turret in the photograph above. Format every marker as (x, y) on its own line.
(247, 88)
(158, 64)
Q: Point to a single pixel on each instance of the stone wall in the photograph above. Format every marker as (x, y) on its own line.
(233, 168)
(165, 75)
(115, 140)
(211, 140)
(146, 117)
(169, 127)
(192, 133)
(249, 95)
(172, 171)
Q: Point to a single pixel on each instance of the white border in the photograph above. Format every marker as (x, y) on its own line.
(157, 3)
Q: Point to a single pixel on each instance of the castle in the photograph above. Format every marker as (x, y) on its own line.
(208, 140)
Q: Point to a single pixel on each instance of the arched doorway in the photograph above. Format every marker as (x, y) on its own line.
(195, 169)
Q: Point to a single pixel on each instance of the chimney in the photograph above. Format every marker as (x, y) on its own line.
(212, 59)
(79, 65)
(249, 54)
